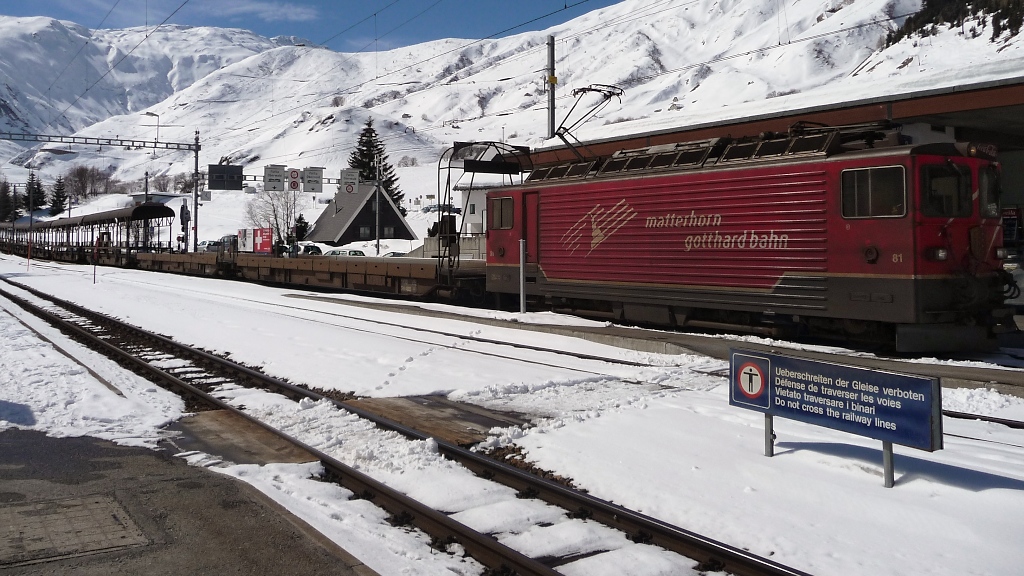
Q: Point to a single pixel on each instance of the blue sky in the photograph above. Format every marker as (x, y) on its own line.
(344, 25)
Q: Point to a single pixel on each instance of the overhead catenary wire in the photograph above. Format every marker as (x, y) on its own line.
(643, 78)
(422, 61)
(625, 18)
(73, 58)
(632, 16)
(115, 64)
(737, 55)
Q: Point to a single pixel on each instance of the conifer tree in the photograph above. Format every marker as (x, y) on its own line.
(301, 227)
(8, 211)
(35, 196)
(368, 149)
(58, 197)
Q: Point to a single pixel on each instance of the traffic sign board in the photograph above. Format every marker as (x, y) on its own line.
(350, 180)
(294, 179)
(312, 180)
(273, 178)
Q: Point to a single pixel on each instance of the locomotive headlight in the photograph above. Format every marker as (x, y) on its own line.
(938, 254)
(1001, 253)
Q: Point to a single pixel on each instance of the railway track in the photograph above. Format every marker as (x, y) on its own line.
(998, 377)
(1003, 370)
(415, 334)
(196, 374)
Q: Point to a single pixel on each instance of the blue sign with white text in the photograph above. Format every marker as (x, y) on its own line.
(898, 408)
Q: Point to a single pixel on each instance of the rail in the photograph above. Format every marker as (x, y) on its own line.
(708, 553)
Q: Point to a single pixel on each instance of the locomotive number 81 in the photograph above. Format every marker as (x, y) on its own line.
(841, 232)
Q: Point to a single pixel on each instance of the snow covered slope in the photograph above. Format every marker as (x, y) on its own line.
(257, 101)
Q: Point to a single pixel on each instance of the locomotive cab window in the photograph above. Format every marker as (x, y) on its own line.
(946, 190)
(874, 192)
(988, 184)
(502, 214)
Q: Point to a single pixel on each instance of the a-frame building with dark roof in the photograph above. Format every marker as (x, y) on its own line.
(350, 217)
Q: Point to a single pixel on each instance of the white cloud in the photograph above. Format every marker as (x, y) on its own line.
(268, 11)
(130, 13)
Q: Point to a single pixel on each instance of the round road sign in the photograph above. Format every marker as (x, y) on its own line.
(751, 380)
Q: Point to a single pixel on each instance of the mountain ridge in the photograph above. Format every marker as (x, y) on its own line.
(259, 101)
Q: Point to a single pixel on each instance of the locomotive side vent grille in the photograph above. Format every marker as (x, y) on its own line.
(638, 163)
(800, 145)
(558, 172)
(740, 151)
(663, 161)
(614, 165)
(538, 174)
(664, 157)
(810, 144)
(576, 170)
(772, 148)
(579, 170)
(692, 158)
(803, 139)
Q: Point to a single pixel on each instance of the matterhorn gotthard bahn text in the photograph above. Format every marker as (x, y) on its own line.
(256, 101)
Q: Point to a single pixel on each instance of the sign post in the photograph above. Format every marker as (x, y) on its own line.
(312, 180)
(888, 406)
(273, 178)
(349, 185)
(294, 183)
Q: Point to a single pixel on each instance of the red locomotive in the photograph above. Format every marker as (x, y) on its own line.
(826, 231)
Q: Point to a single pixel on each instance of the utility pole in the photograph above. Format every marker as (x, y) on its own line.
(552, 81)
(195, 199)
(376, 199)
(28, 193)
(145, 231)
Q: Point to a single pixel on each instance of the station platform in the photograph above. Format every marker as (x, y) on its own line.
(89, 507)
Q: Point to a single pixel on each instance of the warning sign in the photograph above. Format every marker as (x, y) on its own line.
(750, 381)
(899, 408)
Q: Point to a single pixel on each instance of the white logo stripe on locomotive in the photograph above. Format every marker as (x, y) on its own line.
(602, 224)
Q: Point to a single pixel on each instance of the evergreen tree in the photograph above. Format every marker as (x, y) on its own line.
(58, 197)
(7, 208)
(35, 196)
(1005, 15)
(368, 150)
(301, 227)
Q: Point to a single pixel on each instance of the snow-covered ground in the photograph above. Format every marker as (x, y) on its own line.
(672, 447)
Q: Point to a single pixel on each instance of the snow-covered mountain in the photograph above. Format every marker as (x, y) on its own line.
(258, 101)
(56, 75)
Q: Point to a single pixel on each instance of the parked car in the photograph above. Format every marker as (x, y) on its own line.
(307, 248)
(210, 245)
(441, 208)
(344, 252)
(393, 254)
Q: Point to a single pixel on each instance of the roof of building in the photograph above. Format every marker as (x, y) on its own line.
(339, 215)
